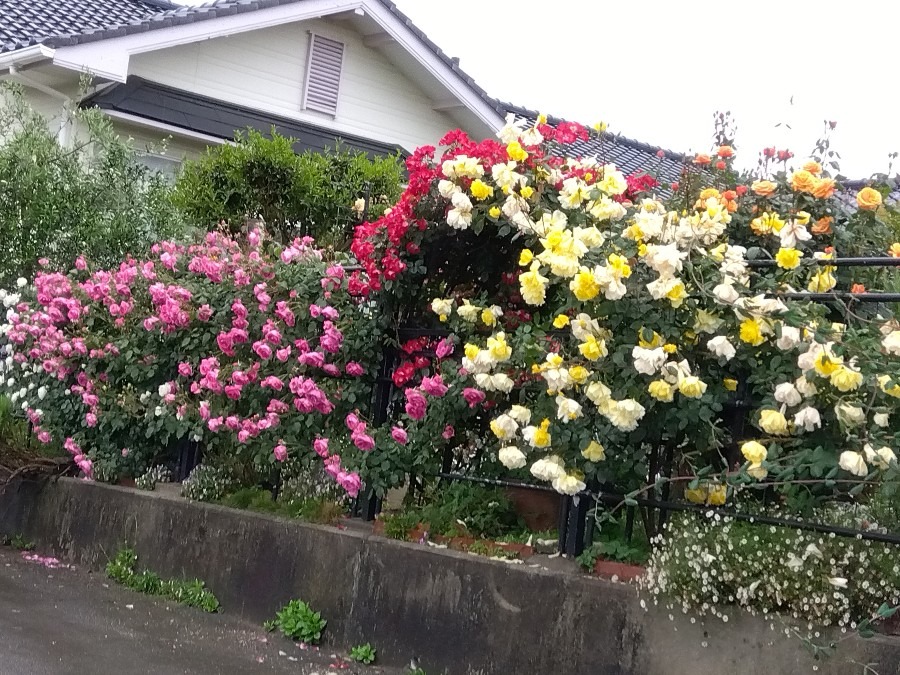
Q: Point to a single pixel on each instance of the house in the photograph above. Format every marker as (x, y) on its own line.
(320, 71)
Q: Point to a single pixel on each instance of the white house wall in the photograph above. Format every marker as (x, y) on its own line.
(265, 69)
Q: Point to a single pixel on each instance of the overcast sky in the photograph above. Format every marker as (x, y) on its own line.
(657, 70)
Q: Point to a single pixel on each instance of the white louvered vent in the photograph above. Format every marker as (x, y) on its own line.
(323, 74)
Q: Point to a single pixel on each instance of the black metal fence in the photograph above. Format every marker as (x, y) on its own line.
(575, 514)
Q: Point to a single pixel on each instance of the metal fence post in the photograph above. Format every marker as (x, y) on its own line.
(573, 524)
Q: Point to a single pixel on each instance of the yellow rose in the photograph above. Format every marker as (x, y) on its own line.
(893, 390)
(661, 391)
(592, 349)
(773, 422)
(527, 191)
(803, 181)
(696, 495)
(751, 332)
(822, 281)
(730, 384)
(825, 363)
(813, 167)
(495, 212)
(481, 190)
(868, 199)
(824, 188)
(561, 321)
(525, 257)
(516, 152)
(844, 379)
(788, 258)
(584, 285)
(757, 471)
(487, 316)
(579, 374)
(754, 452)
(594, 452)
(669, 348)
(692, 387)
(763, 188)
(718, 494)
(498, 347)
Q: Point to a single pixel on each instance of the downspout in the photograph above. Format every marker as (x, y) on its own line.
(64, 134)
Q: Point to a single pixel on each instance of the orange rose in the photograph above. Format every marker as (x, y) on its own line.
(857, 288)
(731, 206)
(702, 159)
(803, 181)
(894, 251)
(868, 199)
(813, 167)
(763, 188)
(729, 195)
(822, 226)
(824, 188)
(725, 151)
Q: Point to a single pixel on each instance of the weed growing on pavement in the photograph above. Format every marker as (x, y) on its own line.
(192, 593)
(298, 621)
(363, 654)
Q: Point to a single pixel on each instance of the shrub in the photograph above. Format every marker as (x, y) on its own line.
(57, 201)
(157, 474)
(707, 562)
(296, 195)
(206, 483)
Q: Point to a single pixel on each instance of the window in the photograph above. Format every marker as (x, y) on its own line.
(167, 166)
(323, 74)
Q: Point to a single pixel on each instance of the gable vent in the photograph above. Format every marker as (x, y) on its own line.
(323, 74)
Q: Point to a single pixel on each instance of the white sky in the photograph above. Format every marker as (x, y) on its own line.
(657, 70)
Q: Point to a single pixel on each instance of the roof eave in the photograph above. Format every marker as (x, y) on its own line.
(26, 56)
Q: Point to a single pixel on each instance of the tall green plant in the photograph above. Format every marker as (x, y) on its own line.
(57, 200)
(308, 194)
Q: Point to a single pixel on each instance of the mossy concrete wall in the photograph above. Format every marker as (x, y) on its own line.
(454, 612)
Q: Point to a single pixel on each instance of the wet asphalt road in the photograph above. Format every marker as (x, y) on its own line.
(71, 622)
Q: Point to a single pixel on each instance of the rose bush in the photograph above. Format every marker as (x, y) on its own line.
(252, 349)
(638, 325)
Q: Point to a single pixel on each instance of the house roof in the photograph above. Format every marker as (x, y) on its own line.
(186, 110)
(65, 23)
(29, 22)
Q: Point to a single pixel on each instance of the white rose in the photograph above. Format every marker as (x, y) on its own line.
(882, 457)
(21, 282)
(787, 393)
(567, 409)
(808, 419)
(624, 415)
(568, 484)
(520, 414)
(502, 382)
(891, 343)
(726, 294)
(881, 419)
(721, 347)
(504, 427)
(854, 463)
(548, 468)
(790, 338)
(850, 415)
(805, 387)
(442, 306)
(447, 188)
(648, 361)
(511, 457)
(165, 390)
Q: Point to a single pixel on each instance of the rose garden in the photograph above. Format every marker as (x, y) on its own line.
(691, 387)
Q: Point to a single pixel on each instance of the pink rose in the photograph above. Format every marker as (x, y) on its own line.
(262, 349)
(415, 404)
(352, 421)
(350, 482)
(449, 432)
(215, 424)
(283, 354)
(204, 313)
(354, 369)
(90, 419)
(399, 435)
(185, 369)
(473, 396)
(444, 348)
(320, 445)
(434, 386)
(280, 452)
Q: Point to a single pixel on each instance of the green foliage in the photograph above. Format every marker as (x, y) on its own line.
(467, 509)
(308, 194)
(298, 621)
(58, 201)
(322, 510)
(363, 654)
(611, 543)
(192, 593)
(489, 549)
(18, 542)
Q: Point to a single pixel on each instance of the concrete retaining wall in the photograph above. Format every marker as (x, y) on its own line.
(456, 613)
